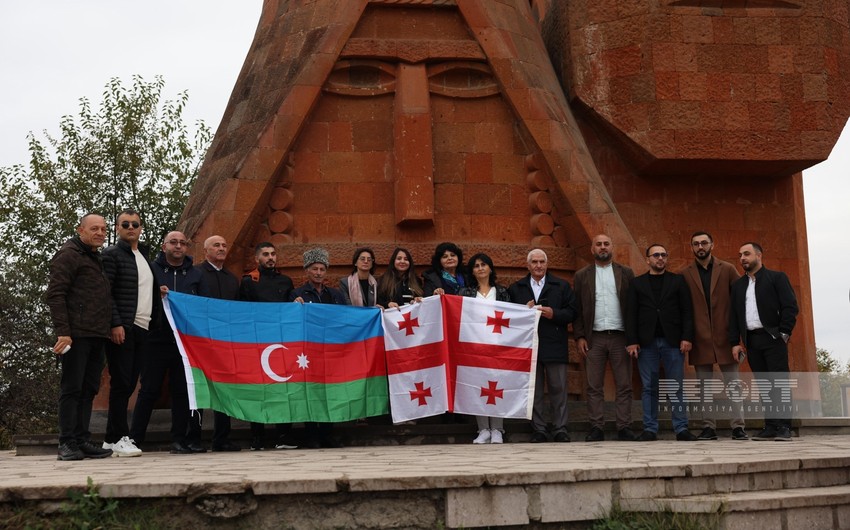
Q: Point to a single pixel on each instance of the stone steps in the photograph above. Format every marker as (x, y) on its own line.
(815, 508)
(793, 493)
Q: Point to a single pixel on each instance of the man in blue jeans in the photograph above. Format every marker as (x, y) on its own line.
(659, 331)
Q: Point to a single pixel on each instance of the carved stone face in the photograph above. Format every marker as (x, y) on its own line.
(410, 139)
(391, 121)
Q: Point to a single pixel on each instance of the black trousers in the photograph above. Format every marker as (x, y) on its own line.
(125, 364)
(161, 358)
(768, 357)
(81, 370)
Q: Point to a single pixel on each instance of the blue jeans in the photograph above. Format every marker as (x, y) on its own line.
(651, 356)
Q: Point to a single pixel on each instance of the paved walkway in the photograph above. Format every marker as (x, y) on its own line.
(273, 472)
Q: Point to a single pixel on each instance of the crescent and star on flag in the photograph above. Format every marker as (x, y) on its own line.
(302, 361)
(491, 392)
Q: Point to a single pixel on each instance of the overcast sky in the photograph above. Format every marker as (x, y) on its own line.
(53, 52)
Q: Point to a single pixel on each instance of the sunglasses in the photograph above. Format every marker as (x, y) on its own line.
(126, 224)
(176, 242)
(657, 255)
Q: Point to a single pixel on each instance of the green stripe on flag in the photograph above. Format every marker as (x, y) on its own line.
(294, 402)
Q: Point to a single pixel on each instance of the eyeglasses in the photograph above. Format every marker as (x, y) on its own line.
(177, 242)
(367, 259)
(701, 243)
(657, 255)
(126, 224)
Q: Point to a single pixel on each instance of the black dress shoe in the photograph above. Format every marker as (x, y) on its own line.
(768, 433)
(738, 433)
(226, 447)
(91, 450)
(685, 436)
(70, 451)
(595, 435)
(783, 434)
(538, 437)
(646, 436)
(562, 437)
(707, 434)
(626, 435)
(195, 447)
(178, 448)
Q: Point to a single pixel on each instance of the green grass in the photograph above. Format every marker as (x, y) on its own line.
(618, 519)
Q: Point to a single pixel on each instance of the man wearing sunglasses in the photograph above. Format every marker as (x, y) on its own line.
(136, 306)
(660, 330)
(175, 271)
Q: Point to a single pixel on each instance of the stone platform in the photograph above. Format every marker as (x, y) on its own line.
(804, 483)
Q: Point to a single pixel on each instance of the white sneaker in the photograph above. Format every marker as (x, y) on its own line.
(107, 445)
(125, 447)
(483, 437)
(495, 436)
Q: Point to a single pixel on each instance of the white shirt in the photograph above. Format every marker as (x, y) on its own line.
(491, 294)
(751, 310)
(537, 287)
(144, 303)
(607, 314)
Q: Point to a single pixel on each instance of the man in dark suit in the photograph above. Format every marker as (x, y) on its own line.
(764, 312)
(217, 282)
(660, 330)
(556, 302)
(601, 291)
(710, 281)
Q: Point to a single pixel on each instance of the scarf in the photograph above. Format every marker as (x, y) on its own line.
(354, 292)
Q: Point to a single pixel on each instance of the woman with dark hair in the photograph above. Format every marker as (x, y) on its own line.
(360, 287)
(483, 285)
(399, 285)
(446, 273)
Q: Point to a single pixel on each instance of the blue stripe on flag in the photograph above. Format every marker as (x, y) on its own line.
(267, 323)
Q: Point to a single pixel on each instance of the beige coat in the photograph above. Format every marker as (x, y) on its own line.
(711, 340)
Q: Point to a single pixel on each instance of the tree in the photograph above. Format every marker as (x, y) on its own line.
(134, 151)
(833, 378)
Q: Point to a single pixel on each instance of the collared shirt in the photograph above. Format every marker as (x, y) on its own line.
(213, 265)
(607, 314)
(751, 309)
(537, 288)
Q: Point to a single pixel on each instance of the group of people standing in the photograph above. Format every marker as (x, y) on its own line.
(108, 305)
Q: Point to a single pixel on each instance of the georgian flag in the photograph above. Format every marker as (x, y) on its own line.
(467, 355)
(493, 356)
(416, 360)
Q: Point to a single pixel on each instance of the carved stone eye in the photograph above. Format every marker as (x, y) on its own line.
(361, 78)
(462, 80)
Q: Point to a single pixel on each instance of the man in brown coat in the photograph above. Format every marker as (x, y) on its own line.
(601, 291)
(710, 281)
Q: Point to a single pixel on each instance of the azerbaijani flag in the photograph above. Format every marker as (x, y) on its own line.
(280, 362)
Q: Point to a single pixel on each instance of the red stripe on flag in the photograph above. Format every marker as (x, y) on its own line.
(416, 358)
(231, 362)
(489, 356)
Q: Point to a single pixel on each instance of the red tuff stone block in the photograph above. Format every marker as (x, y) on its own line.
(479, 168)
